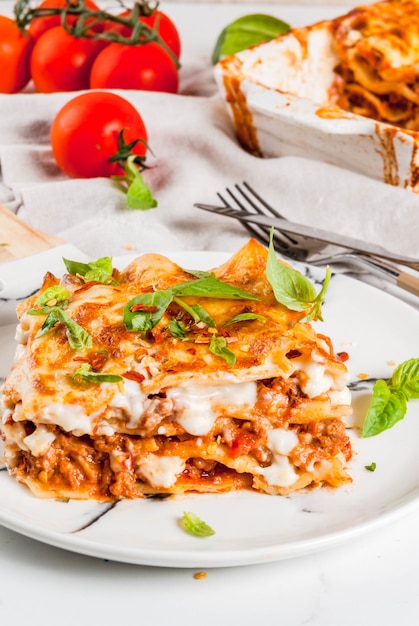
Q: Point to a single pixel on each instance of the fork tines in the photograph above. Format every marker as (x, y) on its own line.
(256, 204)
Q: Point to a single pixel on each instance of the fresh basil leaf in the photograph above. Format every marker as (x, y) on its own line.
(406, 376)
(76, 268)
(144, 312)
(78, 338)
(53, 297)
(290, 287)
(42, 310)
(197, 312)
(211, 287)
(218, 346)
(51, 320)
(57, 294)
(315, 311)
(99, 271)
(195, 526)
(199, 273)
(139, 195)
(387, 407)
(293, 289)
(86, 374)
(201, 315)
(178, 329)
(245, 32)
(244, 317)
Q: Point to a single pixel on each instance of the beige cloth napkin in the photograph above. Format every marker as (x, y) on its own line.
(195, 154)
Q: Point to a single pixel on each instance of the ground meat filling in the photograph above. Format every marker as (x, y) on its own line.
(106, 467)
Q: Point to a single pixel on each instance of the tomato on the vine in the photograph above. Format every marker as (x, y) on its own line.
(62, 62)
(166, 29)
(147, 67)
(85, 134)
(15, 52)
(162, 23)
(39, 25)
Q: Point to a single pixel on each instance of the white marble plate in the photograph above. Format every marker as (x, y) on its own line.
(377, 331)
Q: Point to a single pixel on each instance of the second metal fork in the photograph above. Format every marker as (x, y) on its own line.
(307, 249)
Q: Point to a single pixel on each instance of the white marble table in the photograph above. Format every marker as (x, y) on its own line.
(371, 580)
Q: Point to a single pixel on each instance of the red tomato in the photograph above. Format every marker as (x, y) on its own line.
(39, 25)
(84, 134)
(15, 52)
(166, 29)
(61, 62)
(147, 67)
(242, 444)
(164, 25)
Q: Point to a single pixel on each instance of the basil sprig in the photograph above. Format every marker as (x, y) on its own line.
(57, 295)
(245, 32)
(86, 374)
(292, 288)
(195, 526)
(218, 346)
(245, 317)
(389, 398)
(99, 271)
(78, 338)
(208, 286)
(144, 312)
(50, 303)
(197, 312)
(138, 194)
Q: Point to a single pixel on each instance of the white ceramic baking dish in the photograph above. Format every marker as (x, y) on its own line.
(278, 95)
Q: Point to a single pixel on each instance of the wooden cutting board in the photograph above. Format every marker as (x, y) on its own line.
(19, 240)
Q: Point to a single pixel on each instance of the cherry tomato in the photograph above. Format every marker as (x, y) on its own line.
(85, 132)
(61, 62)
(15, 52)
(146, 67)
(164, 25)
(39, 25)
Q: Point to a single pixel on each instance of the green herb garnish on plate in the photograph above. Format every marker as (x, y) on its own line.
(389, 398)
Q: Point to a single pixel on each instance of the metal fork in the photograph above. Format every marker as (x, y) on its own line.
(308, 249)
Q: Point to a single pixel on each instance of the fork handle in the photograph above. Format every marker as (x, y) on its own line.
(408, 282)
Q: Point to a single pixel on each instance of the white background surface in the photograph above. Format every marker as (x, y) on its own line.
(370, 581)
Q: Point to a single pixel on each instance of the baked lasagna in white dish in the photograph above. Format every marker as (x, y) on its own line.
(163, 380)
(345, 91)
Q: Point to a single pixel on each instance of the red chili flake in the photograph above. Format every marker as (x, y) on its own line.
(293, 354)
(98, 361)
(197, 330)
(86, 286)
(224, 332)
(191, 350)
(133, 375)
(344, 356)
(84, 359)
(150, 308)
(128, 463)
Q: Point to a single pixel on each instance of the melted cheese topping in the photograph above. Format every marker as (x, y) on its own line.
(39, 441)
(281, 472)
(198, 406)
(161, 472)
(70, 417)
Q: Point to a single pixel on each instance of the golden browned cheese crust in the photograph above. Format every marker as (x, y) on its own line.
(179, 417)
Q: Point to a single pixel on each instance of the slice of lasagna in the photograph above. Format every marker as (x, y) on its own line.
(160, 380)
